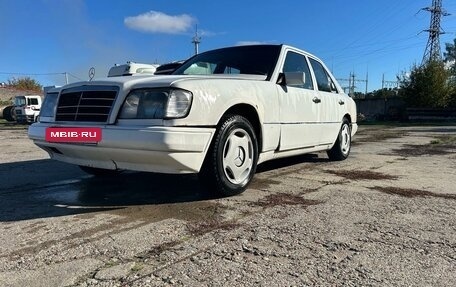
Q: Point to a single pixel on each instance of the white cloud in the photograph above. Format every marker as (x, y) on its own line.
(158, 22)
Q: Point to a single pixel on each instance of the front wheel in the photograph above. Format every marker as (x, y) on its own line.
(341, 148)
(8, 113)
(232, 159)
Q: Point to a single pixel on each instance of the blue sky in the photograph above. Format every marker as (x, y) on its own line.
(56, 36)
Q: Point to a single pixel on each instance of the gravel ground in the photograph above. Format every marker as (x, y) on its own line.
(383, 217)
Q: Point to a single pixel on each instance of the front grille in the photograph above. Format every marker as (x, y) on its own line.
(86, 104)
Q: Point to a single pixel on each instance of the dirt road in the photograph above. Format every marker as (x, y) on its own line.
(384, 217)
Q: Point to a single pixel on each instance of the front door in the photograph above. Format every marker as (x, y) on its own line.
(300, 107)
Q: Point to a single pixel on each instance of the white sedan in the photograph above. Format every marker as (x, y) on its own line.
(220, 114)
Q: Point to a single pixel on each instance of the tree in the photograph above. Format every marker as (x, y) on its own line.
(450, 60)
(26, 83)
(427, 86)
(450, 56)
(432, 85)
(384, 93)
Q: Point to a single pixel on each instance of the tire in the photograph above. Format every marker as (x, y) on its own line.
(342, 146)
(101, 172)
(231, 161)
(8, 114)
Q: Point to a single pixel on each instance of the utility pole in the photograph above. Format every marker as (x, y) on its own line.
(196, 40)
(389, 84)
(352, 88)
(432, 51)
(352, 83)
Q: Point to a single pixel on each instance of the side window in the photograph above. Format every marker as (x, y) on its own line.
(230, 70)
(200, 68)
(295, 62)
(324, 82)
(33, 101)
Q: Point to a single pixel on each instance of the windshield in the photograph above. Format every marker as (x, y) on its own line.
(253, 60)
(19, 101)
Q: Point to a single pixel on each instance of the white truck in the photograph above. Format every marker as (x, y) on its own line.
(27, 108)
(131, 68)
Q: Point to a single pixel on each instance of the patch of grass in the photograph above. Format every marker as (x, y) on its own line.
(444, 140)
(377, 135)
(410, 193)
(110, 264)
(362, 175)
(5, 102)
(436, 148)
(440, 145)
(137, 267)
(5, 125)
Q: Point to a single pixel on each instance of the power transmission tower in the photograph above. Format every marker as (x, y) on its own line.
(432, 51)
(389, 84)
(196, 40)
(352, 80)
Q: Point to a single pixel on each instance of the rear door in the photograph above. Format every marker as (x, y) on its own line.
(332, 102)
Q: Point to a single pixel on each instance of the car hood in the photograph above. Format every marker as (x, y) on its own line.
(160, 81)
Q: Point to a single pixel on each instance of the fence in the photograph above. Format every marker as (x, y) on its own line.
(390, 108)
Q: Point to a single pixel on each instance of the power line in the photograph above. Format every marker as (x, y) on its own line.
(370, 44)
(32, 74)
(380, 52)
(66, 74)
(392, 12)
(76, 77)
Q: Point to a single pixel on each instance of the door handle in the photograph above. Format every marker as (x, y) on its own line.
(341, 102)
(316, 100)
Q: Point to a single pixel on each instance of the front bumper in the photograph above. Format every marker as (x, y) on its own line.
(152, 149)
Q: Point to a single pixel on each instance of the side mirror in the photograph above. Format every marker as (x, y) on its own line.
(295, 78)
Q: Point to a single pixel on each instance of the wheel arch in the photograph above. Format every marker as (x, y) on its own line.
(348, 117)
(251, 114)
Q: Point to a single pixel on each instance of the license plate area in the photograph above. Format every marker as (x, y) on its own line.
(73, 135)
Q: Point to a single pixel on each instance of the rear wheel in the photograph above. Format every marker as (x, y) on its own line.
(341, 148)
(232, 159)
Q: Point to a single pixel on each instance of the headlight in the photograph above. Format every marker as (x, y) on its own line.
(156, 104)
(179, 102)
